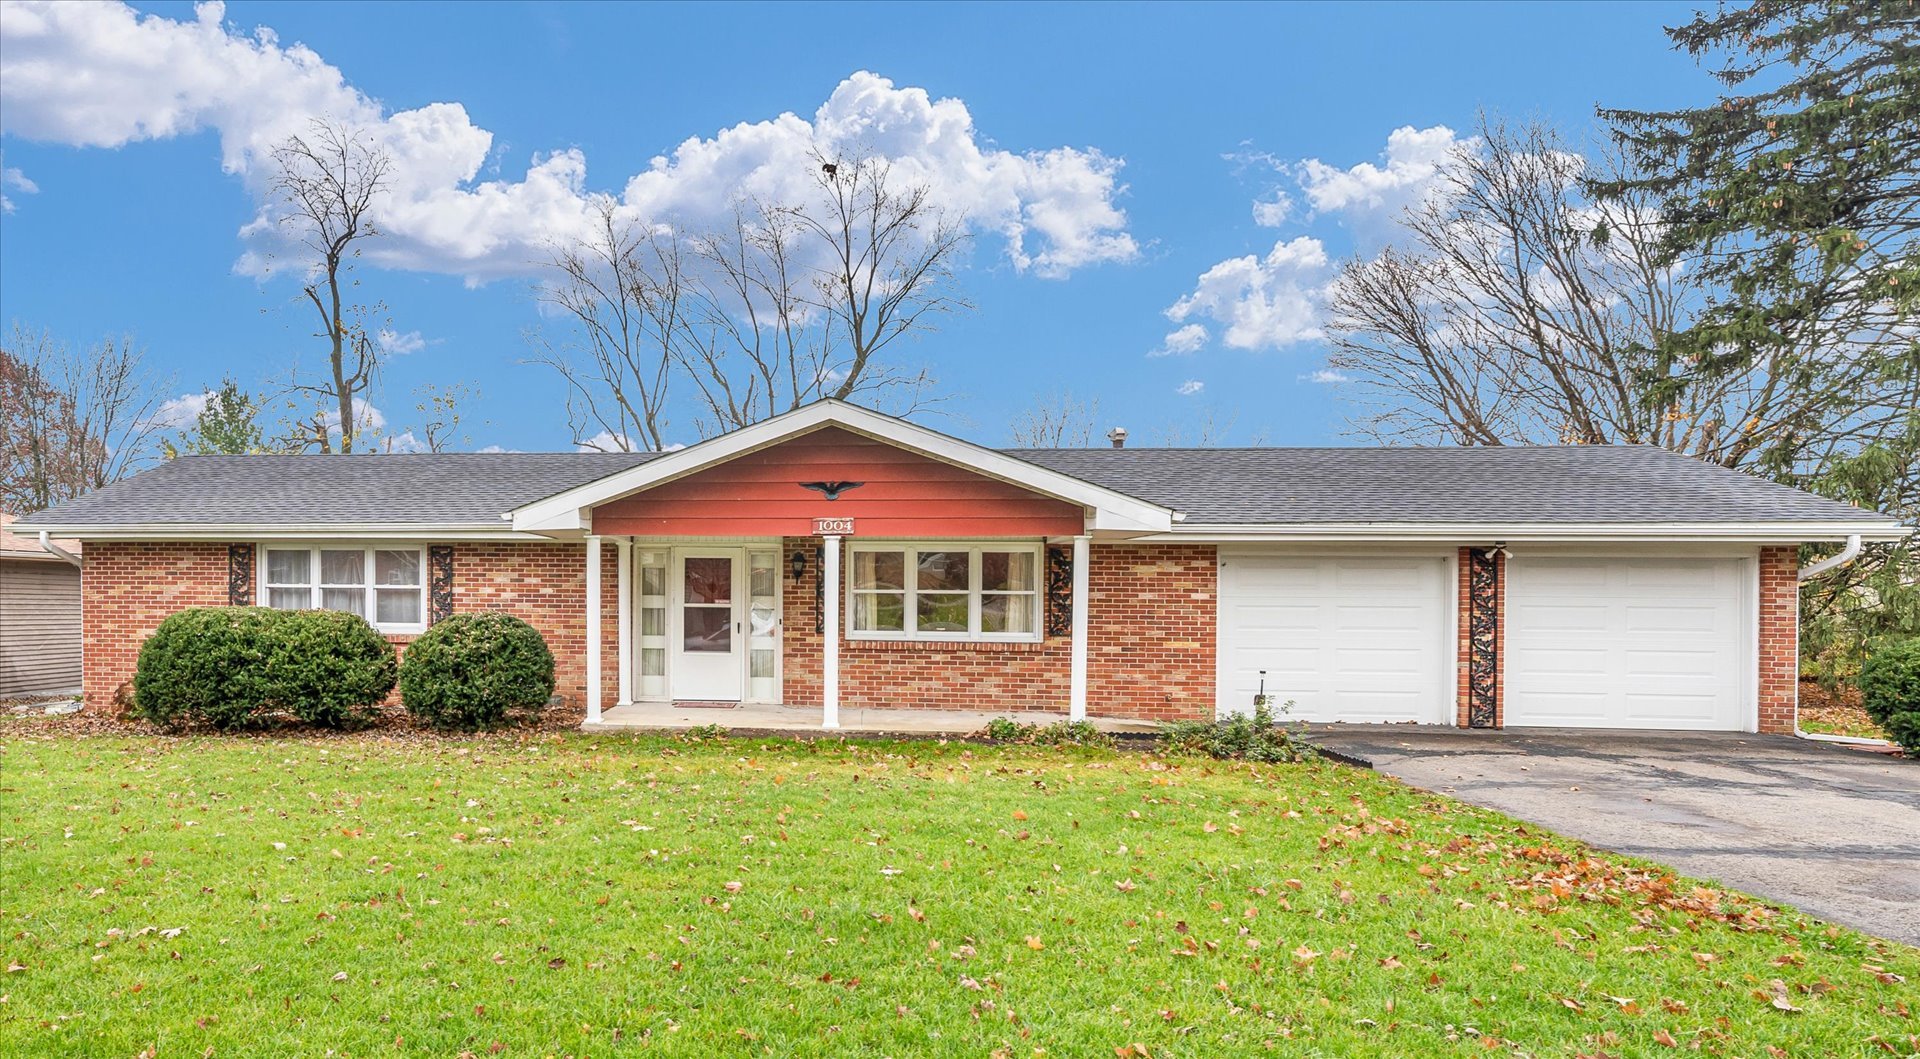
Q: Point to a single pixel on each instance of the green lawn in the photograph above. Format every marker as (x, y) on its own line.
(616, 896)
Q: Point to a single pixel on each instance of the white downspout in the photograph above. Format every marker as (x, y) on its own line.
(1807, 573)
(1834, 562)
(47, 545)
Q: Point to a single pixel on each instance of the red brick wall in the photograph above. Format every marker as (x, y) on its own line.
(1463, 598)
(126, 589)
(1150, 647)
(545, 585)
(1151, 620)
(1779, 683)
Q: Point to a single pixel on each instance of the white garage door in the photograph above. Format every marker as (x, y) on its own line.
(1346, 639)
(1627, 643)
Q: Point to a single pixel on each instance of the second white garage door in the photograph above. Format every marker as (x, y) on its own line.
(1628, 643)
(1346, 639)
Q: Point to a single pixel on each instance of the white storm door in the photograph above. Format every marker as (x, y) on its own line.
(706, 635)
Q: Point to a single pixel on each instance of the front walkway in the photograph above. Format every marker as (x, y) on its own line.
(805, 720)
(1832, 830)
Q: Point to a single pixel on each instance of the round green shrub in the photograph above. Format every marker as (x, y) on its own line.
(204, 665)
(234, 667)
(467, 672)
(327, 667)
(1890, 690)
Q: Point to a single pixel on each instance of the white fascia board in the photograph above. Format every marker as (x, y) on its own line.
(1746, 532)
(1111, 510)
(293, 531)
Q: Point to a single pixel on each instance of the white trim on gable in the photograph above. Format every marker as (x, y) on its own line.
(1113, 512)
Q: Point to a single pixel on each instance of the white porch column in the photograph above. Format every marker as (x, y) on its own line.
(593, 630)
(830, 646)
(624, 552)
(1077, 682)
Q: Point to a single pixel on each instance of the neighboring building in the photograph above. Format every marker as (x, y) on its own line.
(1602, 586)
(39, 614)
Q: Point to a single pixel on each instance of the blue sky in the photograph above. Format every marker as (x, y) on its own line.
(122, 219)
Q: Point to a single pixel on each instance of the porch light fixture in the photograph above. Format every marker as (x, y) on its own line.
(798, 564)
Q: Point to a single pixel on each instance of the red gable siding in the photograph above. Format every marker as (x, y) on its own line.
(905, 495)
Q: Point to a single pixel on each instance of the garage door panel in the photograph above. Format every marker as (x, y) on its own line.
(1539, 618)
(1642, 620)
(1351, 639)
(1628, 643)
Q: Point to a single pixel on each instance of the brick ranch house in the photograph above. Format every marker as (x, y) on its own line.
(837, 558)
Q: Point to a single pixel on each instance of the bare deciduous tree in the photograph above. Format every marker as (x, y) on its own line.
(328, 184)
(1057, 421)
(792, 302)
(440, 416)
(1516, 309)
(71, 420)
(621, 287)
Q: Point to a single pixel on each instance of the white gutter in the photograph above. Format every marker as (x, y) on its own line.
(47, 545)
(1743, 532)
(1847, 555)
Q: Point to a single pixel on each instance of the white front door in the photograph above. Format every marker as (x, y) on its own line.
(707, 614)
(1343, 638)
(1628, 643)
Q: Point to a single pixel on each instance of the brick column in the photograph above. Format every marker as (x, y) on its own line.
(1779, 677)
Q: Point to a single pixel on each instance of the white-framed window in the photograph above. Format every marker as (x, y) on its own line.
(383, 583)
(938, 591)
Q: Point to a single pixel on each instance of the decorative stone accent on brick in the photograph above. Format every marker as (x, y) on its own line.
(240, 591)
(1482, 598)
(1059, 592)
(439, 583)
(1779, 677)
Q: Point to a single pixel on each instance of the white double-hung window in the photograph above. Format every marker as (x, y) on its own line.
(387, 585)
(923, 591)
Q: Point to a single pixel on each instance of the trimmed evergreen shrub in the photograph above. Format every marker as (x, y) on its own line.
(204, 665)
(235, 667)
(329, 668)
(1890, 691)
(469, 671)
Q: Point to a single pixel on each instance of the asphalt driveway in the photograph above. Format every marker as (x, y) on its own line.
(1833, 831)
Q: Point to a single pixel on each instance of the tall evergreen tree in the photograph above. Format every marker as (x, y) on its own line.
(1797, 195)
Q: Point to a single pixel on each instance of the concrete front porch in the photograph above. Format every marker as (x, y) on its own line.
(752, 717)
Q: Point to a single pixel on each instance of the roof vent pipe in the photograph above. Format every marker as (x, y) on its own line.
(1118, 435)
(1847, 555)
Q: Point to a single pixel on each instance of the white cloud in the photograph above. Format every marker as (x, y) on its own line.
(608, 441)
(1182, 341)
(1273, 212)
(1263, 303)
(1412, 159)
(1190, 387)
(181, 412)
(496, 448)
(104, 75)
(1326, 377)
(1279, 300)
(396, 344)
(12, 178)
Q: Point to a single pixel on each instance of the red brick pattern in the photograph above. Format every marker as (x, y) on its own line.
(1779, 683)
(126, 589)
(1150, 646)
(545, 585)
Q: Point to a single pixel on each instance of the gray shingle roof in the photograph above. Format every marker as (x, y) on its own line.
(441, 488)
(1584, 484)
